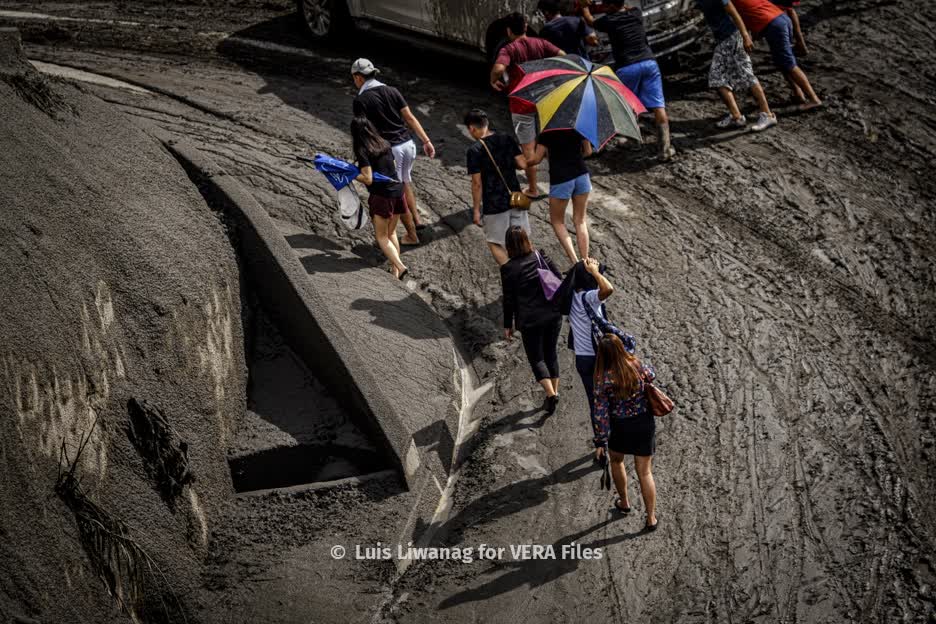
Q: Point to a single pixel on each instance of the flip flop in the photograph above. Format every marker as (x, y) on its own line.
(416, 244)
(623, 510)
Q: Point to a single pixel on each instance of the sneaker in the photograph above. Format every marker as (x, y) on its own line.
(763, 122)
(728, 121)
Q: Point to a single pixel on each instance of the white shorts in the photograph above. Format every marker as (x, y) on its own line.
(524, 127)
(496, 225)
(404, 155)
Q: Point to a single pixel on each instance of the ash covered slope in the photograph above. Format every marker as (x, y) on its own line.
(119, 285)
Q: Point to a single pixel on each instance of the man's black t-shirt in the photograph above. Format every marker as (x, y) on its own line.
(495, 198)
(382, 105)
(382, 164)
(566, 161)
(628, 38)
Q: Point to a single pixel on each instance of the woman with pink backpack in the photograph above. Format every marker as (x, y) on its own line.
(530, 281)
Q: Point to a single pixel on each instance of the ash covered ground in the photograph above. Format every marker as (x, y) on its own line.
(782, 284)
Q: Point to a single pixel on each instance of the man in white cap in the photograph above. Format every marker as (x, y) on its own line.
(388, 111)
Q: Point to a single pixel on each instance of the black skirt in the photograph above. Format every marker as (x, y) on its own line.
(633, 436)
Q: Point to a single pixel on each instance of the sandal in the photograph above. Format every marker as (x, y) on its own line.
(650, 528)
(403, 274)
(623, 510)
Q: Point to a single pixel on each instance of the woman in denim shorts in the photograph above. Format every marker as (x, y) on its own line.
(568, 181)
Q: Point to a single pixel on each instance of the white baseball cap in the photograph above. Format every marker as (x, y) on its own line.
(364, 67)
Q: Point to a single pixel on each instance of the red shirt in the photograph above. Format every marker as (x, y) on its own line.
(520, 51)
(757, 14)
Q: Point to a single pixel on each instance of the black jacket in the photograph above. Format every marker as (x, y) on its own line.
(525, 305)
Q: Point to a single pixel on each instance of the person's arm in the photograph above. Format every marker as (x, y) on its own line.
(497, 71)
(366, 177)
(586, 12)
(605, 289)
(739, 23)
(410, 119)
(798, 33)
(587, 148)
(476, 198)
(509, 302)
(539, 153)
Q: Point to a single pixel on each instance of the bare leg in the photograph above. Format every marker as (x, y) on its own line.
(499, 253)
(557, 210)
(555, 382)
(394, 240)
(797, 77)
(664, 146)
(727, 96)
(411, 238)
(795, 91)
(528, 150)
(580, 220)
(548, 387)
(647, 486)
(409, 191)
(619, 475)
(761, 98)
(382, 233)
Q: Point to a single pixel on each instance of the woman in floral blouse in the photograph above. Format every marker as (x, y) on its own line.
(623, 422)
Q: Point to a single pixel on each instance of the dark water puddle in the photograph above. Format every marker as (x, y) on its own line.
(300, 465)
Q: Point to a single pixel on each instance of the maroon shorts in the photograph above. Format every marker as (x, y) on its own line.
(386, 207)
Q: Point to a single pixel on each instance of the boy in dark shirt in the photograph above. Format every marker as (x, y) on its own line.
(567, 32)
(636, 65)
(493, 174)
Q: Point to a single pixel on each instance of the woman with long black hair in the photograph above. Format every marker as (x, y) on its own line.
(527, 308)
(623, 421)
(386, 201)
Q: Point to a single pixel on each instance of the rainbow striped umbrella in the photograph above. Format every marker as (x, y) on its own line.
(572, 93)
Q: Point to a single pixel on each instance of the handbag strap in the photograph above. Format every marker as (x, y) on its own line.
(496, 167)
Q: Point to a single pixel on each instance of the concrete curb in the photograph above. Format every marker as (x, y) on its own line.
(304, 319)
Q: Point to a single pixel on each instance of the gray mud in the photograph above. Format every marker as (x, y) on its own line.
(782, 284)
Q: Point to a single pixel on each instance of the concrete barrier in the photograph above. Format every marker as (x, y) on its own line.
(378, 348)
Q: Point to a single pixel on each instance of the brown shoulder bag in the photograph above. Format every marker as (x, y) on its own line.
(518, 199)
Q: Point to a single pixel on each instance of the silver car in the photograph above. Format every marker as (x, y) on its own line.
(475, 27)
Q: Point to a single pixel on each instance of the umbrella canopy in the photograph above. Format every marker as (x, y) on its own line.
(339, 172)
(572, 93)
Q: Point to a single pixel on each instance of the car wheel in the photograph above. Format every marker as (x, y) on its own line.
(323, 18)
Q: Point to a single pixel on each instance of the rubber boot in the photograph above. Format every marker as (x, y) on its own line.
(667, 150)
